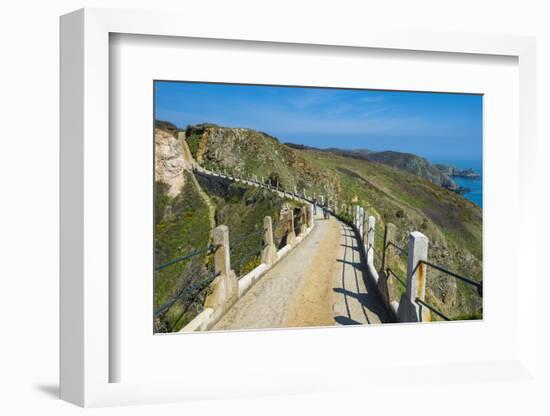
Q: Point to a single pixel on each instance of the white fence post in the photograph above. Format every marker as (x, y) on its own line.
(303, 219)
(291, 234)
(359, 221)
(365, 227)
(361, 227)
(225, 286)
(269, 253)
(370, 239)
(409, 309)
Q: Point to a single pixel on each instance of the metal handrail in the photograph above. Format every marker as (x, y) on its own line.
(399, 279)
(163, 308)
(380, 237)
(207, 250)
(401, 249)
(432, 308)
(375, 253)
(468, 280)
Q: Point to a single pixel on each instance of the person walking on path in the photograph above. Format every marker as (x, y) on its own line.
(325, 213)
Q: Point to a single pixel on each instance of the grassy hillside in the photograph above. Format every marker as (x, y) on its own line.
(408, 162)
(242, 208)
(182, 226)
(453, 224)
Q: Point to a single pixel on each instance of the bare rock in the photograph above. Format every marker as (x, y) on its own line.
(169, 161)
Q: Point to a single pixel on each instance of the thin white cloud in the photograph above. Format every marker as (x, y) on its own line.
(332, 112)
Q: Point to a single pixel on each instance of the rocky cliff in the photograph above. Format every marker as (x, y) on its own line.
(454, 171)
(172, 157)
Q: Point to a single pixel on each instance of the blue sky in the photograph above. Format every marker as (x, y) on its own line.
(441, 127)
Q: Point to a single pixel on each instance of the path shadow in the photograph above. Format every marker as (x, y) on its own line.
(344, 320)
(354, 264)
(369, 300)
(350, 247)
(51, 390)
(364, 290)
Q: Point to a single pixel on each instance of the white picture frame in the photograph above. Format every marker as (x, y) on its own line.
(85, 210)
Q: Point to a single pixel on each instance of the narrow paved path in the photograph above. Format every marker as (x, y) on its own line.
(319, 283)
(357, 301)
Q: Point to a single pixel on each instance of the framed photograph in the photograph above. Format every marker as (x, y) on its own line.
(235, 209)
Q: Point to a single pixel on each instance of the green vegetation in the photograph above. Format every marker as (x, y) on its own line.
(243, 208)
(182, 226)
(193, 140)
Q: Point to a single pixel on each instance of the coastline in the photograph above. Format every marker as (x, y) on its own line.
(475, 185)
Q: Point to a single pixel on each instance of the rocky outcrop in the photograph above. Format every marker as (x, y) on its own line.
(459, 173)
(170, 161)
(414, 164)
(241, 150)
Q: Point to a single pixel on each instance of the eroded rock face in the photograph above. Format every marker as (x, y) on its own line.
(170, 161)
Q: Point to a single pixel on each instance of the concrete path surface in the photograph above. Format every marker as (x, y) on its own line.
(357, 301)
(319, 283)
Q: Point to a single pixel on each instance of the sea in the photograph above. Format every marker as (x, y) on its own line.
(475, 185)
